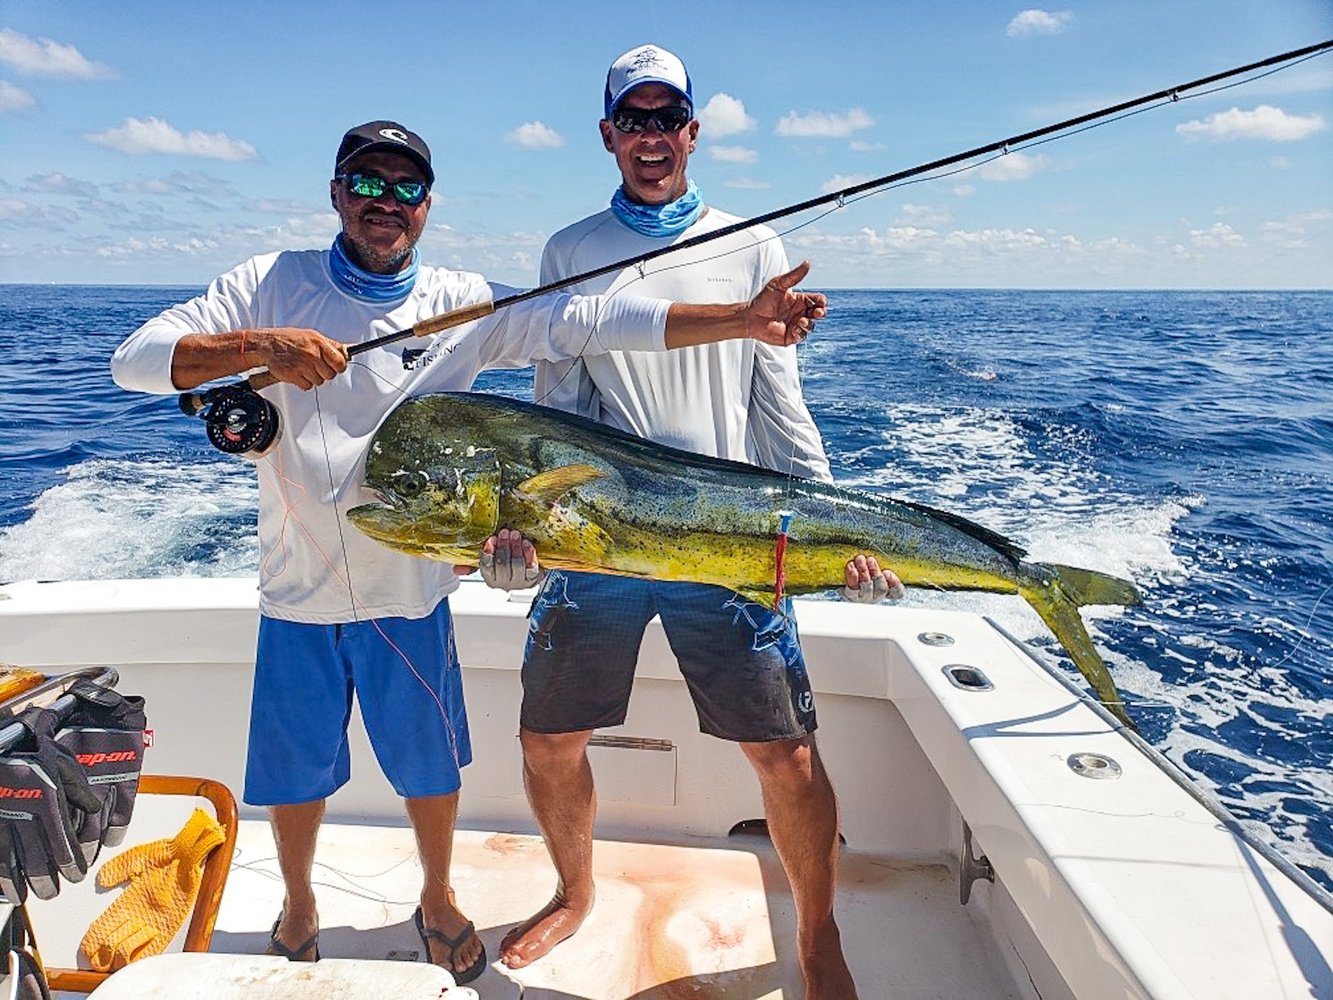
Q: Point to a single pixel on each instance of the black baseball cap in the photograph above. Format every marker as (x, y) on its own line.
(389, 137)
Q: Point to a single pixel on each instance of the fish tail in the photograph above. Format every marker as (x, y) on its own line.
(1056, 593)
(1086, 586)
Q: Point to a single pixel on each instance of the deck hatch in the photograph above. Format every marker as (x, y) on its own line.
(967, 678)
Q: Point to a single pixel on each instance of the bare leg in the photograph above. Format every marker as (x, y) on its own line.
(803, 822)
(433, 818)
(558, 779)
(295, 829)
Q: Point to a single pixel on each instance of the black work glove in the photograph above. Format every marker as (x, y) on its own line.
(44, 795)
(104, 733)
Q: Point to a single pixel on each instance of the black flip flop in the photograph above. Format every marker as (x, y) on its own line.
(472, 971)
(291, 954)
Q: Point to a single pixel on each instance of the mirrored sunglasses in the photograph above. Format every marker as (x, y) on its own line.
(374, 186)
(669, 119)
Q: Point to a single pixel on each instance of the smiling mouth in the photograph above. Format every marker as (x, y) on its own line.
(383, 221)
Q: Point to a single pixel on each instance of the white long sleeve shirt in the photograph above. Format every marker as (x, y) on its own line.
(314, 566)
(739, 400)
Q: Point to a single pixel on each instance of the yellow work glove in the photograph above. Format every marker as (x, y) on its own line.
(163, 879)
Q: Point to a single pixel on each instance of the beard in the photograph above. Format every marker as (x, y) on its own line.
(372, 254)
(371, 258)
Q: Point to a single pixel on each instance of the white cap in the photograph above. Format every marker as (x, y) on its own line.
(645, 64)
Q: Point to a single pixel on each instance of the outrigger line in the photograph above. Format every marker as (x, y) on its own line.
(240, 425)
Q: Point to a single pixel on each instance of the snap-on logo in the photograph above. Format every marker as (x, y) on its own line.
(19, 793)
(93, 759)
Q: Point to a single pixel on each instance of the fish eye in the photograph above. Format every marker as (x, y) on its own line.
(408, 484)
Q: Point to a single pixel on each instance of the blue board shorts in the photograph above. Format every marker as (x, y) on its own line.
(405, 675)
(742, 662)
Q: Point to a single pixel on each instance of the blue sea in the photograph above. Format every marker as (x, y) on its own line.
(1181, 439)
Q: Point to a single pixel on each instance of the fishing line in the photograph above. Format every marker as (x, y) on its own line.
(352, 888)
(240, 421)
(358, 606)
(850, 195)
(237, 422)
(333, 497)
(1305, 631)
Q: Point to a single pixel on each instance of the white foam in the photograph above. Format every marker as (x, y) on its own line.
(116, 518)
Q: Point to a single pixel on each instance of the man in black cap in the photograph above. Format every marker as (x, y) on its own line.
(340, 613)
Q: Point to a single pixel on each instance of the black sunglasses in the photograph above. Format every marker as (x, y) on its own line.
(669, 119)
(374, 186)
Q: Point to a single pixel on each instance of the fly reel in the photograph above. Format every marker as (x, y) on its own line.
(239, 421)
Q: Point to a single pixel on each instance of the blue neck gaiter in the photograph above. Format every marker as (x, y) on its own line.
(670, 219)
(367, 285)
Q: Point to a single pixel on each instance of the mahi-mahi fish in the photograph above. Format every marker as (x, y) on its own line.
(452, 469)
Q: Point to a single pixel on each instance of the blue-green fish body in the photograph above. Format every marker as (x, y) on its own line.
(454, 468)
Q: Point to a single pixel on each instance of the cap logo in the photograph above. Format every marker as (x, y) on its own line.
(395, 134)
(646, 59)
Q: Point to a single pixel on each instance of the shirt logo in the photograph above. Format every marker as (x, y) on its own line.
(412, 358)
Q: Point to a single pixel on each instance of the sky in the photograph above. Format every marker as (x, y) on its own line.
(163, 143)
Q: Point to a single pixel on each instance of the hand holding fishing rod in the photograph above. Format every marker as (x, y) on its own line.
(241, 422)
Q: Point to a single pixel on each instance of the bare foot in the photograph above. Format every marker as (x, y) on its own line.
(541, 932)
(824, 968)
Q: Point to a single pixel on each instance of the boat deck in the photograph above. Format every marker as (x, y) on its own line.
(706, 919)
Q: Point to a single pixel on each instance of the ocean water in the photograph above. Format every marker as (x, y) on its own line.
(1181, 439)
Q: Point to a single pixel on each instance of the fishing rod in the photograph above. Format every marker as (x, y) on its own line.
(240, 421)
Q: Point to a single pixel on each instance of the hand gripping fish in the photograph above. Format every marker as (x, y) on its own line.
(452, 469)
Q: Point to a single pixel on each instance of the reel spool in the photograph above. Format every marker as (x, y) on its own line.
(239, 420)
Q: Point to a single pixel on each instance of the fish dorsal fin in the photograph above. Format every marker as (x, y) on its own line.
(551, 485)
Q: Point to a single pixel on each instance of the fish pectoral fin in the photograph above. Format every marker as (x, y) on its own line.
(552, 484)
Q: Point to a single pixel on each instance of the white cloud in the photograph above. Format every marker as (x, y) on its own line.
(840, 181)
(18, 214)
(733, 154)
(822, 124)
(1011, 167)
(1038, 22)
(858, 146)
(43, 57)
(1291, 233)
(925, 215)
(14, 98)
(1000, 239)
(156, 136)
(177, 182)
(60, 184)
(1219, 234)
(535, 135)
(725, 115)
(1264, 122)
(747, 184)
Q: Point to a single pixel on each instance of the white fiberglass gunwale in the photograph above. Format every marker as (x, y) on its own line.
(1129, 886)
